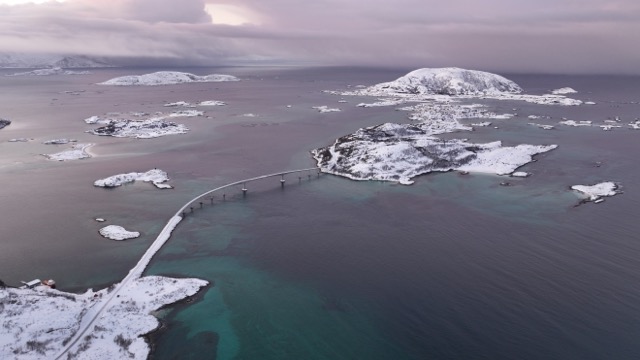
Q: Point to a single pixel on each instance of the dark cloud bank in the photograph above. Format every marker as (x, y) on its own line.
(561, 36)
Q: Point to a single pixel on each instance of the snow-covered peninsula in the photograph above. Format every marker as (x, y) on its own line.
(166, 78)
(155, 176)
(38, 323)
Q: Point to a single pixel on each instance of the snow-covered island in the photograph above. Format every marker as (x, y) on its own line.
(4, 123)
(596, 192)
(400, 152)
(563, 91)
(49, 72)
(325, 109)
(166, 78)
(191, 105)
(116, 232)
(155, 176)
(140, 125)
(76, 152)
(38, 323)
(445, 84)
(59, 141)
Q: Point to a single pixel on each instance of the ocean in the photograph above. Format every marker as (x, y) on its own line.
(452, 267)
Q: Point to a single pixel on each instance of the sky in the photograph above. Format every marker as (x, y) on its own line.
(549, 36)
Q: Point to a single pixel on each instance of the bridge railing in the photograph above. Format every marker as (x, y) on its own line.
(198, 200)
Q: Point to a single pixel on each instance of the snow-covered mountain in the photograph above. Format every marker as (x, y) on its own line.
(49, 61)
(447, 81)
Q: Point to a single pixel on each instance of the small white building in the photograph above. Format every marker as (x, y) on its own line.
(31, 284)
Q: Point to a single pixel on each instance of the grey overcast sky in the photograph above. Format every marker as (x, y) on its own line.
(554, 36)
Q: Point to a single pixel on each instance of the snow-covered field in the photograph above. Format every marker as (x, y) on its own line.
(166, 78)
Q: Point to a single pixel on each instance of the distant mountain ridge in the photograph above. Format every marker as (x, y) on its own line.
(50, 61)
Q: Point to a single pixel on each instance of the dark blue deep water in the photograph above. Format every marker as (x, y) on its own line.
(452, 267)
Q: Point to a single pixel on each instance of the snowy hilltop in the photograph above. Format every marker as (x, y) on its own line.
(42, 61)
(448, 81)
(166, 78)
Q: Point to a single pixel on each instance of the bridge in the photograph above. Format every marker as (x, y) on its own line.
(90, 317)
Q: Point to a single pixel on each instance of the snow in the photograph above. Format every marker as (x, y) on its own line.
(482, 124)
(59, 141)
(115, 232)
(179, 103)
(51, 71)
(166, 78)
(575, 123)
(520, 174)
(448, 81)
(186, 113)
(382, 102)
(155, 176)
(597, 191)
(77, 152)
(496, 159)
(543, 126)
(18, 140)
(212, 103)
(563, 91)
(325, 109)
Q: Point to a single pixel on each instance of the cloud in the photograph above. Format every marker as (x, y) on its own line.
(497, 35)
